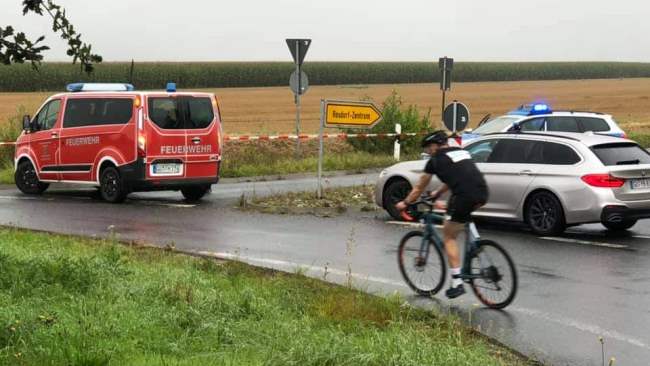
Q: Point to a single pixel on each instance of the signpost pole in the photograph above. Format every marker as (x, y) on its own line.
(455, 117)
(298, 99)
(442, 113)
(320, 149)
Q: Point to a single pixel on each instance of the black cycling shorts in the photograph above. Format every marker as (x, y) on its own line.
(460, 208)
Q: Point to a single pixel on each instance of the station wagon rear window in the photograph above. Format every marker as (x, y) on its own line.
(621, 154)
(181, 112)
(97, 111)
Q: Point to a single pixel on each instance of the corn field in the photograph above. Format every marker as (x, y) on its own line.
(155, 75)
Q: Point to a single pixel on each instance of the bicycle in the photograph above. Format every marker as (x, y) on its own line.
(487, 267)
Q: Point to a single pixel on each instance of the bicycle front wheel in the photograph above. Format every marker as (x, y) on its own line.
(494, 277)
(425, 274)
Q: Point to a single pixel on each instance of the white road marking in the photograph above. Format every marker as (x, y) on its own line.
(291, 266)
(18, 198)
(584, 242)
(563, 321)
(409, 224)
(604, 235)
(590, 328)
(641, 236)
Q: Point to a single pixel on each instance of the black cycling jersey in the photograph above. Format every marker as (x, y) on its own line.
(455, 167)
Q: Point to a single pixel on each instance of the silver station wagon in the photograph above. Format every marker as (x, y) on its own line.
(548, 180)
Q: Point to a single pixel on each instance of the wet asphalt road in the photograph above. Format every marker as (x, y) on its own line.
(573, 288)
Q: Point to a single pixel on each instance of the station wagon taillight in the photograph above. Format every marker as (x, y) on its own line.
(603, 180)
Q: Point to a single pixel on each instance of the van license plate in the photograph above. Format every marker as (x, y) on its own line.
(640, 183)
(166, 168)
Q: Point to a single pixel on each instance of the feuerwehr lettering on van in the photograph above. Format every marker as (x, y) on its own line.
(79, 141)
(184, 149)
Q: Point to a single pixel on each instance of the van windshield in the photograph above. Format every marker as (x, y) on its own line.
(181, 112)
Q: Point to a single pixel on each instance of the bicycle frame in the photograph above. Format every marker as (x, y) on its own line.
(431, 235)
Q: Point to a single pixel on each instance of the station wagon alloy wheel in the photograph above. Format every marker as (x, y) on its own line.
(544, 214)
(395, 192)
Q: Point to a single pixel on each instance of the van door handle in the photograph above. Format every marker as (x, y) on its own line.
(196, 140)
(54, 134)
(526, 172)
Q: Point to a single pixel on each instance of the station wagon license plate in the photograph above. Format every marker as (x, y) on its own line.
(167, 169)
(640, 183)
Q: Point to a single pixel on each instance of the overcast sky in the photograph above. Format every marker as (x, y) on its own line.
(351, 30)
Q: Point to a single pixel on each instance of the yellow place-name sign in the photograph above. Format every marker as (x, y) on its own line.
(351, 114)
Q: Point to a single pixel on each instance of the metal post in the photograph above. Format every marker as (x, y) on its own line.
(444, 91)
(298, 100)
(320, 149)
(396, 150)
(455, 115)
(442, 113)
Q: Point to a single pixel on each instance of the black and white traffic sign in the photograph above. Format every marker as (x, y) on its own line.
(445, 64)
(298, 48)
(303, 80)
(456, 116)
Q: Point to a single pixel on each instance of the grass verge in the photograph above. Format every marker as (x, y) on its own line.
(6, 174)
(333, 202)
(74, 301)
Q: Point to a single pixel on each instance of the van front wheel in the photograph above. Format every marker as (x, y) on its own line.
(195, 193)
(111, 186)
(27, 180)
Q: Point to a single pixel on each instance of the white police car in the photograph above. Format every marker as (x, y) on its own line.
(540, 117)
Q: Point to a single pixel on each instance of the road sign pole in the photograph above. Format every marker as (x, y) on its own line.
(320, 149)
(455, 117)
(298, 100)
(442, 113)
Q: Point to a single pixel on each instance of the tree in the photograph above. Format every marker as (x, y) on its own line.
(16, 48)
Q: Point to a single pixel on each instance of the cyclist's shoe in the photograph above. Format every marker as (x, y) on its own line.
(454, 292)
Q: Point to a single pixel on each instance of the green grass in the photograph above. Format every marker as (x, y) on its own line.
(72, 301)
(355, 161)
(155, 75)
(6, 174)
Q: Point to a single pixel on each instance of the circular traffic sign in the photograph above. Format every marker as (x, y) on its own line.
(304, 81)
(456, 116)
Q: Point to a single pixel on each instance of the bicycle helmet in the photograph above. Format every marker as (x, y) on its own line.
(438, 137)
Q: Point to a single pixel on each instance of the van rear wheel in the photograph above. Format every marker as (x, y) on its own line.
(195, 193)
(111, 186)
(27, 180)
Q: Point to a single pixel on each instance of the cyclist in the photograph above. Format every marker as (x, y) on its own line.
(458, 173)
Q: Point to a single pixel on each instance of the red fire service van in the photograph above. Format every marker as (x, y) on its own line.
(121, 141)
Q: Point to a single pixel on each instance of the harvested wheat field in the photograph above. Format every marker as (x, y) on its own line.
(271, 110)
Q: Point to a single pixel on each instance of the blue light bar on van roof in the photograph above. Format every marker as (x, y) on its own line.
(531, 109)
(171, 87)
(108, 87)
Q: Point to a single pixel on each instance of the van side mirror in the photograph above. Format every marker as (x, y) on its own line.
(27, 122)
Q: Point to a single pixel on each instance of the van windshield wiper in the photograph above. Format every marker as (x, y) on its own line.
(629, 162)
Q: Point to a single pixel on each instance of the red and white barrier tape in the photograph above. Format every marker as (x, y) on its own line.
(342, 136)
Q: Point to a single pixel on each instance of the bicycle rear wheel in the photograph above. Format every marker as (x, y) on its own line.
(424, 276)
(496, 285)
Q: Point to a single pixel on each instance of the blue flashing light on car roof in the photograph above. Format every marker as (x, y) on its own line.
(531, 109)
(171, 87)
(108, 87)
